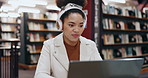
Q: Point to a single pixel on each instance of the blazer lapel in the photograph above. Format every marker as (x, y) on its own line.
(60, 52)
(61, 55)
(84, 50)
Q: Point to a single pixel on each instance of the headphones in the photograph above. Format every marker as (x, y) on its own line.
(66, 8)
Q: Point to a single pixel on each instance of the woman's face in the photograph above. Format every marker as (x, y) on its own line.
(73, 26)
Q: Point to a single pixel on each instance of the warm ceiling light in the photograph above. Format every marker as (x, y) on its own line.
(118, 1)
(27, 3)
(40, 2)
(13, 14)
(30, 10)
(3, 15)
(53, 7)
(7, 8)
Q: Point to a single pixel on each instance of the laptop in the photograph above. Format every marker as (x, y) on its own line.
(114, 68)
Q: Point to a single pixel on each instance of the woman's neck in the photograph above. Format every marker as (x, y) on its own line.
(71, 43)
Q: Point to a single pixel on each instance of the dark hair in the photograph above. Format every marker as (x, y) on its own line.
(67, 13)
(61, 3)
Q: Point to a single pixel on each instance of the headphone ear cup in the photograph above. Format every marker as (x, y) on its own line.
(60, 24)
(85, 23)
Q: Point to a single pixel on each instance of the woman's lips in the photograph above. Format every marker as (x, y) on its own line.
(75, 35)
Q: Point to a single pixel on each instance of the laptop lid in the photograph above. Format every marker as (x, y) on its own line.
(114, 68)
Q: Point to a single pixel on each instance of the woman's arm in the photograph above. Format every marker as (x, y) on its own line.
(43, 69)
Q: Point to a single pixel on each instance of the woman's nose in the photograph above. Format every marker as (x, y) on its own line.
(76, 29)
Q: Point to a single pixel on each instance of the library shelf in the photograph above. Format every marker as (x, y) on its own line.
(130, 43)
(120, 17)
(120, 33)
(45, 30)
(34, 31)
(43, 20)
(145, 66)
(144, 69)
(36, 41)
(134, 56)
(127, 30)
(7, 47)
(7, 31)
(10, 40)
(24, 66)
(33, 53)
(10, 23)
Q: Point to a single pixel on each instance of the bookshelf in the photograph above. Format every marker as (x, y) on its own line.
(120, 32)
(9, 32)
(35, 29)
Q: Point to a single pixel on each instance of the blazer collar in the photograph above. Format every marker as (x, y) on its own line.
(61, 54)
(59, 40)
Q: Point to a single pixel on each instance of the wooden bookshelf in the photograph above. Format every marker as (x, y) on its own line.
(44, 20)
(120, 33)
(10, 40)
(10, 23)
(44, 30)
(8, 31)
(8, 47)
(35, 53)
(134, 56)
(36, 41)
(144, 69)
(124, 17)
(32, 38)
(30, 67)
(130, 43)
(127, 30)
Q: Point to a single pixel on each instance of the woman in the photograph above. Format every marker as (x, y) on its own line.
(69, 45)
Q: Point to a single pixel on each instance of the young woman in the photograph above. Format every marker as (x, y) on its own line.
(69, 45)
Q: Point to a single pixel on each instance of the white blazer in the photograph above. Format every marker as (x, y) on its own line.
(53, 61)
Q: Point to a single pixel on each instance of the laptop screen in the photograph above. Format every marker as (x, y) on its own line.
(114, 68)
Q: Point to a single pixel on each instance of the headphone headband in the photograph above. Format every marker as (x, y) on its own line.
(66, 8)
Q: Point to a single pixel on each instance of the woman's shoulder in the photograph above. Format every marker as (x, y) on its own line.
(48, 42)
(87, 41)
(51, 41)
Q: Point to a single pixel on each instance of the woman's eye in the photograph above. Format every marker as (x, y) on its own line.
(71, 25)
(81, 26)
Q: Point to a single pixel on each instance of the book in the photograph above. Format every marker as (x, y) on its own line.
(107, 53)
(35, 26)
(123, 51)
(130, 25)
(131, 13)
(125, 38)
(144, 37)
(51, 26)
(117, 38)
(144, 49)
(34, 59)
(108, 39)
(138, 50)
(129, 51)
(117, 25)
(117, 53)
(143, 26)
(8, 20)
(132, 38)
(52, 15)
(105, 23)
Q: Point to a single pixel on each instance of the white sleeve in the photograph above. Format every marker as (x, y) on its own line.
(43, 69)
(95, 54)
